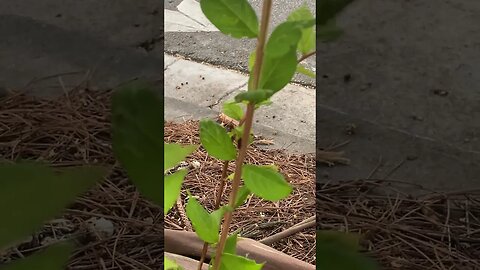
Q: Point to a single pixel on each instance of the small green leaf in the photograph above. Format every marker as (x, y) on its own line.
(31, 194)
(254, 96)
(328, 9)
(231, 244)
(137, 127)
(236, 18)
(307, 41)
(173, 185)
(54, 257)
(242, 195)
(233, 110)
(337, 250)
(237, 132)
(235, 262)
(206, 225)
(174, 153)
(171, 265)
(216, 141)
(303, 70)
(251, 139)
(251, 61)
(265, 182)
(329, 32)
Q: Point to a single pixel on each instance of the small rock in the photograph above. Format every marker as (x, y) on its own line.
(412, 157)
(195, 164)
(440, 92)
(417, 118)
(365, 86)
(102, 227)
(350, 129)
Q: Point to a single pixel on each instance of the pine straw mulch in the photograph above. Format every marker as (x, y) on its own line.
(431, 231)
(75, 130)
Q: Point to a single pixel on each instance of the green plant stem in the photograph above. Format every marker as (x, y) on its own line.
(218, 199)
(305, 56)
(266, 9)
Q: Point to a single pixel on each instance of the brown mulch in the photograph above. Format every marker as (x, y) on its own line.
(431, 231)
(75, 130)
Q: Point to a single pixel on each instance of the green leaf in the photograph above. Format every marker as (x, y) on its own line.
(329, 32)
(236, 132)
(231, 244)
(254, 96)
(263, 103)
(216, 141)
(206, 225)
(307, 41)
(235, 262)
(265, 182)
(174, 153)
(270, 166)
(337, 250)
(137, 123)
(280, 62)
(251, 61)
(328, 9)
(277, 72)
(242, 195)
(303, 70)
(233, 110)
(349, 241)
(173, 185)
(171, 265)
(31, 194)
(236, 18)
(54, 257)
(283, 39)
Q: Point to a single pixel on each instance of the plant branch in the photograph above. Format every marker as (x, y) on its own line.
(310, 222)
(305, 56)
(267, 7)
(218, 199)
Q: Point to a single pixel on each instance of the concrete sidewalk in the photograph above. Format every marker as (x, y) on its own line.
(196, 90)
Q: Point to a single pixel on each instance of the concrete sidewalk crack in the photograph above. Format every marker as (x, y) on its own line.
(193, 19)
(225, 95)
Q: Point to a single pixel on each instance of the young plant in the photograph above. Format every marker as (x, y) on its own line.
(273, 64)
(138, 118)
